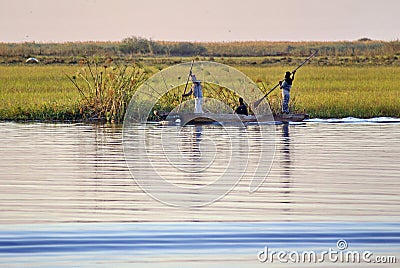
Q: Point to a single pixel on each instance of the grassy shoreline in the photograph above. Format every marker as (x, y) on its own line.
(44, 93)
(137, 46)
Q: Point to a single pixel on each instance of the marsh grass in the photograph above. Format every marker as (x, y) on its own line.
(137, 46)
(106, 89)
(172, 99)
(45, 93)
(37, 93)
(335, 91)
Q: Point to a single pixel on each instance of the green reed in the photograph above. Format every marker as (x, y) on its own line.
(337, 91)
(106, 89)
(44, 92)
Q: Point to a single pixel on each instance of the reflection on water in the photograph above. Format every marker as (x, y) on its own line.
(286, 163)
(74, 174)
(321, 172)
(197, 139)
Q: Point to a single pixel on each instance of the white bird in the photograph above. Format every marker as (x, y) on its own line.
(32, 60)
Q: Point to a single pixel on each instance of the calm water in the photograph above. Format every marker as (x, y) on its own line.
(68, 197)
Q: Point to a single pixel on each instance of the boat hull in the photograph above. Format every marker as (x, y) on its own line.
(290, 117)
(208, 118)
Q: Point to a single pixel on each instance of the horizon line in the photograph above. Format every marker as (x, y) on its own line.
(203, 41)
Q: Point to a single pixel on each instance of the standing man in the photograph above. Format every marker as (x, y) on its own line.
(197, 91)
(286, 85)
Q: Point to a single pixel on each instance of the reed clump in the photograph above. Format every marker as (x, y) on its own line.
(106, 89)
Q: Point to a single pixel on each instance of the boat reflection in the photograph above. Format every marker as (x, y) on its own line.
(196, 142)
(286, 163)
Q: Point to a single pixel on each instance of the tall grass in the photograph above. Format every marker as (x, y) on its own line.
(172, 99)
(106, 89)
(45, 93)
(37, 93)
(136, 46)
(338, 91)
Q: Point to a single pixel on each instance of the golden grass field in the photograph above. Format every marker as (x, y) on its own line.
(43, 92)
(338, 91)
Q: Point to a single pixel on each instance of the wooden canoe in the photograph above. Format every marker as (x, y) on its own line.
(208, 118)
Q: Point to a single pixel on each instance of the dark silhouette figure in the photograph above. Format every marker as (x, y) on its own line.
(242, 109)
(286, 85)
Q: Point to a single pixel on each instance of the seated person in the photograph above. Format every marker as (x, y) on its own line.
(242, 109)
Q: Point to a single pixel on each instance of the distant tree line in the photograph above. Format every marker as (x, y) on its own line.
(138, 46)
(143, 46)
